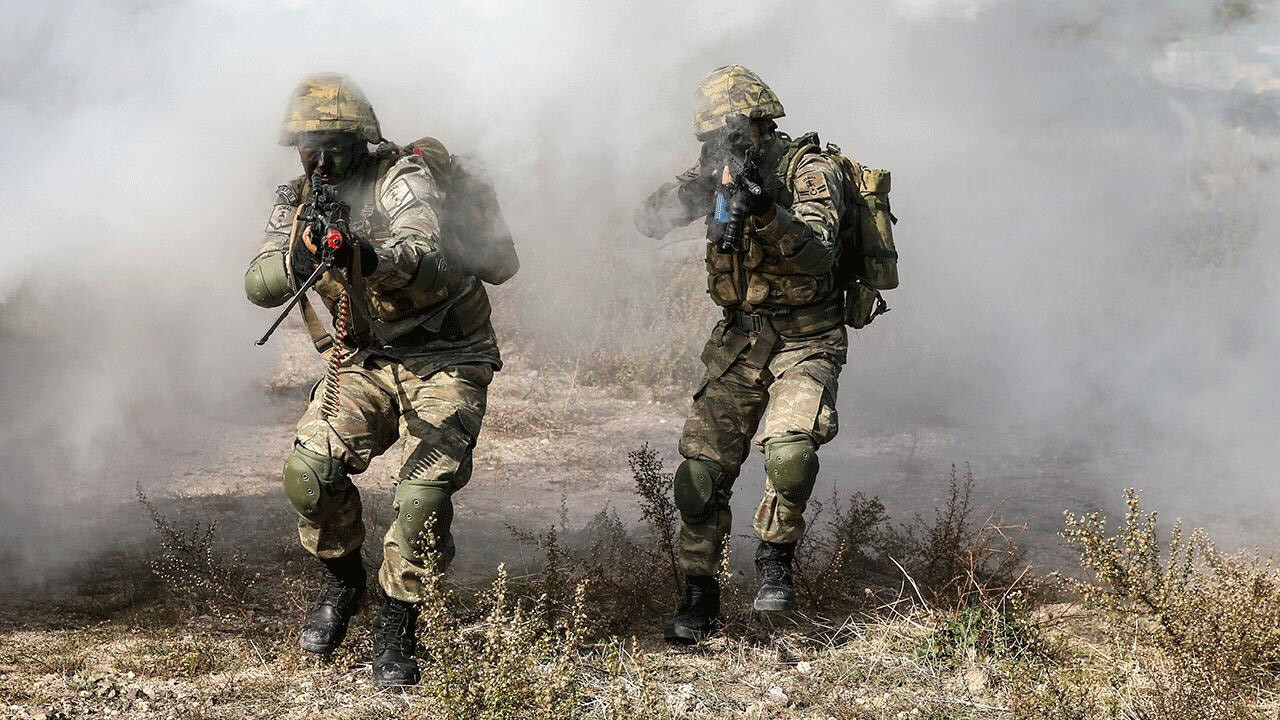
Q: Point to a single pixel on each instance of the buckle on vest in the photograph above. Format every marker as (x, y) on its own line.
(748, 322)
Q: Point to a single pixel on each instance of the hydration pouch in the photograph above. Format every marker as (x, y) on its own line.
(879, 262)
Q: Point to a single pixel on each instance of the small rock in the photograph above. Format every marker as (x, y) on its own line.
(777, 696)
(803, 667)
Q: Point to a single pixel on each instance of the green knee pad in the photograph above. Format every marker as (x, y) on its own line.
(791, 462)
(416, 504)
(314, 482)
(697, 483)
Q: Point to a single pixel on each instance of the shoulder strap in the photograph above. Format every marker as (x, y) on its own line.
(319, 336)
(795, 154)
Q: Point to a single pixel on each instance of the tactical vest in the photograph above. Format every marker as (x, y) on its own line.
(760, 279)
(401, 316)
(763, 281)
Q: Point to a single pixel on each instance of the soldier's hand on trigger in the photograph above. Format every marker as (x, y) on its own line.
(342, 256)
(758, 206)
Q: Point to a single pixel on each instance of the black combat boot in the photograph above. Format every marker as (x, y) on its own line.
(773, 568)
(394, 640)
(343, 588)
(699, 616)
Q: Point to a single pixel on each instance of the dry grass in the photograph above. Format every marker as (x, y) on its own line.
(932, 619)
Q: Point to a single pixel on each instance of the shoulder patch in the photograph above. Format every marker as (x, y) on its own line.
(410, 183)
(281, 218)
(398, 196)
(287, 194)
(812, 186)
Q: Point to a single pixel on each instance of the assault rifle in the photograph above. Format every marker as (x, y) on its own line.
(730, 224)
(329, 220)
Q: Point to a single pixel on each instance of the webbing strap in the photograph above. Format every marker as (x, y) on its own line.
(319, 337)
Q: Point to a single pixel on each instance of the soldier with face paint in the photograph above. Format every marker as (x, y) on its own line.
(411, 355)
(776, 355)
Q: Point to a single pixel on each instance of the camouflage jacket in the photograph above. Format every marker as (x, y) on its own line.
(790, 262)
(417, 302)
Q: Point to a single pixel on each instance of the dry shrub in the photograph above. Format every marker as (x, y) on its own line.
(623, 571)
(1184, 689)
(853, 555)
(190, 565)
(845, 557)
(524, 659)
(953, 564)
(1215, 616)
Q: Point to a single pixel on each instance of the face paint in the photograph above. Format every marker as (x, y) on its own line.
(330, 153)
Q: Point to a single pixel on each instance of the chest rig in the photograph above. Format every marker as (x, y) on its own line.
(759, 280)
(396, 317)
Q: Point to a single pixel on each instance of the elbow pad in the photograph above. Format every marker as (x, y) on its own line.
(434, 274)
(266, 283)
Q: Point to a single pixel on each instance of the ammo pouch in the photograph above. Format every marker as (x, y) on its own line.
(454, 321)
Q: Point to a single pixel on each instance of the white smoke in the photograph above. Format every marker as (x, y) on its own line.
(1085, 252)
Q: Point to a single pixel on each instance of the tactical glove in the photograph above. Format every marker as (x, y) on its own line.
(746, 204)
(368, 256)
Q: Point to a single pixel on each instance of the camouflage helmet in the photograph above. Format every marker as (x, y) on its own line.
(728, 91)
(329, 102)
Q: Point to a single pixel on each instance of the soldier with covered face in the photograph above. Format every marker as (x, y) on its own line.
(411, 355)
(776, 355)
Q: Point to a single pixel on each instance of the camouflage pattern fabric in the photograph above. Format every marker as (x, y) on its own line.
(787, 263)
(793, 390)
(396, 206)
(439, 414)
(424, 377)
(728, 91)
(329, 102)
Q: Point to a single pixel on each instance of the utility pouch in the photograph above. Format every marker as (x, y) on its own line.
(879, 261)
(868, 256)
(862, 304)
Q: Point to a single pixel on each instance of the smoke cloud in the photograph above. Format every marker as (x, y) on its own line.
(1085, 227)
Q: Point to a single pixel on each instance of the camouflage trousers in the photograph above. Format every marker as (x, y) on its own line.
(439, 416)
(791, 385)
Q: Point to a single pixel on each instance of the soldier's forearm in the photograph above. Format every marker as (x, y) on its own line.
(806, 247)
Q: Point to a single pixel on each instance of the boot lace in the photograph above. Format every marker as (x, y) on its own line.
(392, 628)
(335, 592)
(774, 571)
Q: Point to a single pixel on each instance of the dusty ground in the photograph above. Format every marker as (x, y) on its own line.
(108, 641)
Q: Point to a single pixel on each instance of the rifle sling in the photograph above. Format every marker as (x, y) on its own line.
(315, 328)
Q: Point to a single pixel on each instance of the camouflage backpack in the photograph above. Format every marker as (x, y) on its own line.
(868, 258)
(471, 220)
